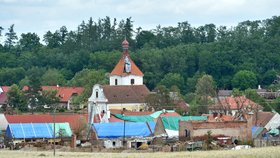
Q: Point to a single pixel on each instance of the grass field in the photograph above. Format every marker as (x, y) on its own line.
(269, 152)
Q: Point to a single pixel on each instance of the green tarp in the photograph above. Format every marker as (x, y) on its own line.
(172, 123)
(158, 113)
(62, 129)
(274, 131)
(142, 118)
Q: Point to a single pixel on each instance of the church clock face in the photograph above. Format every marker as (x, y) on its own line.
(127, 65)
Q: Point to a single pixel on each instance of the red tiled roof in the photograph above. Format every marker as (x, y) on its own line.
(5, 88)
(126, 93)
(3, 98)
(3, 95)
(114, 119)
(235, 103)
(219, 117)
(119, 68)
(262, 118)
(64, 93)
(75, 120)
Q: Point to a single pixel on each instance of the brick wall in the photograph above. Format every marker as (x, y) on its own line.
(236, 129)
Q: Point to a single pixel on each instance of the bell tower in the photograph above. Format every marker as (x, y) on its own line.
(126, 71)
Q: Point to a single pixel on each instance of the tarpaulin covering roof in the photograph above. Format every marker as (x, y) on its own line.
(143, 118)
(61, 129)
(121, 129)
(37, 130)
(146, 118)
(158, 113)
(172, 123)
(256, 131)
(75, 120)
(274, 131)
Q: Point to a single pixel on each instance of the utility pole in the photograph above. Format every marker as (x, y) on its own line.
(54, 131)
(124, 134)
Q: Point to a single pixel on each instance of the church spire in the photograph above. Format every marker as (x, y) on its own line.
(125, 46)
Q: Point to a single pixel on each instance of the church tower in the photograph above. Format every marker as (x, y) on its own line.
(126, 71)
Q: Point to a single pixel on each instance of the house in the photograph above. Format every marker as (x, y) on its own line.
(232, 105)
(266, 94)
(267, 120)
(194, 130)
(169, 126)
(3, 122)
(126, 89)
(64, 94)
(123, 134)
(3, 95)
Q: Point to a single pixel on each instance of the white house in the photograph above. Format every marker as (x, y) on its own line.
(126, 90)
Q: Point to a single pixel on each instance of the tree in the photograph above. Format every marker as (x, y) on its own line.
(16, 98)
(50, 98)
(87, 78)
(34, 88)
(53, 77)
(255, 97)
(10, 37)
(205, 88)
(160, 99)
(244, 79)
(1, 29)
(9, 76)
(172, 79)
(53, 40)
(269, 77)
(29, 41)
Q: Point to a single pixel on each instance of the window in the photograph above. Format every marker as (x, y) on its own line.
(186, 133)
(114, 143)
(96, 94)
(132, 81)
(116, 81)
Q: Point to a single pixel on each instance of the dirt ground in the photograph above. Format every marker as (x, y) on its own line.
(30, 152)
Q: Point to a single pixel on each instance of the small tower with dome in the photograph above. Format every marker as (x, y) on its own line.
(126, 71)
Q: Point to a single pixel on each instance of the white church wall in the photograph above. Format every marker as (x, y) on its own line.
(128, 106)
(126, 80)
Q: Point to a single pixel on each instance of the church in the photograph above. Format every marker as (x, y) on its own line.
(125, 91)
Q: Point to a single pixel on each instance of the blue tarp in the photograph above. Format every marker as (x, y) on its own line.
(256, 131)
(35, 130)
(116, 129)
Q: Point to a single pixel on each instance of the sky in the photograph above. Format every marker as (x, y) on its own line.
(40, 16)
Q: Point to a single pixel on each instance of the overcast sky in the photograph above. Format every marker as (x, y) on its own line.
(39, 16)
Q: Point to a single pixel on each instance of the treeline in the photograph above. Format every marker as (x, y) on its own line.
(241, 57)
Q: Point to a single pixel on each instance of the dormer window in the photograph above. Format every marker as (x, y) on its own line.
(132, 81)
